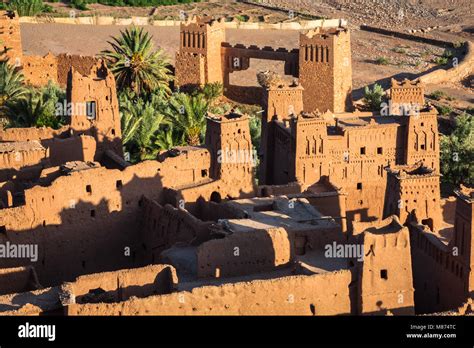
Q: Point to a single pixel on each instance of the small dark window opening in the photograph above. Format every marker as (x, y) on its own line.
(383, 274)
(423, 146)
(379, 151)
(204, 173)
(89, 189)
(362, 150)
(118, 184)
(93, 213)
(359, 186)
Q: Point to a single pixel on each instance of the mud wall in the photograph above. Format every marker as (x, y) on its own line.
(244, 253)
(123, 284)
(319, 294)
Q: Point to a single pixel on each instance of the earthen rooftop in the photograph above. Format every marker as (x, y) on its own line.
(21, 146)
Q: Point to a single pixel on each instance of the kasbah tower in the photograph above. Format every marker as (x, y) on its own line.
(325, 69)
(198, 60)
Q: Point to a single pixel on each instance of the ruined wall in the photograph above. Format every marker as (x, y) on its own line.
(96, 109)
(164, 226)
(81, 148)
(244, 253)
(82, 64)
(10, 37)
(39, 70)
(32, 133)
(294, 295)
(385, 280)
(121, 285)
(440, 278)
(90, 219)
(19, 279)
(28, 157)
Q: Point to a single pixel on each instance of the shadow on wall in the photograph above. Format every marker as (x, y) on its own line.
(84, 237)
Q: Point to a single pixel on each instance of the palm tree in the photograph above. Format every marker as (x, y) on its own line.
(11, 83)
(135, 63)
(188, 115)
(27, 110)
(167, 138)
(141, 120)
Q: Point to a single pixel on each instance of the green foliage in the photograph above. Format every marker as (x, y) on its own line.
(26, 7)
(448, 54)
(80, 4)
(382, 61)
(212, 91)
(134, 3)
(135, 63)
(188, 116)
(437, 95)
(440, 60)
(36, 108)
(11, 83)
(242, 18)
(142, 120)
(457, 153)
(373, 98)
(444, 110)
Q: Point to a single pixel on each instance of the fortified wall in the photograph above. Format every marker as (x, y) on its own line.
(322, 63)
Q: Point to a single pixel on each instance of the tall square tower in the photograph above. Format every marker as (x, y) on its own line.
(199, 58)
(325, 69)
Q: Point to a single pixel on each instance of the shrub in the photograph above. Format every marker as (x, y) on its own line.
(444, 110)
(440, 60)
(437, 95)
(373, 97)
(382, 61)
(400, 50)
